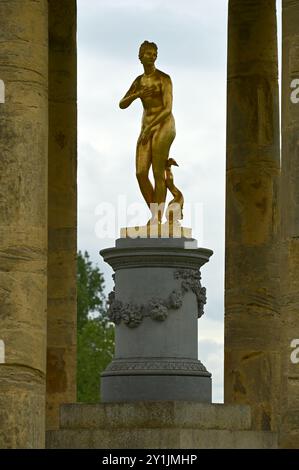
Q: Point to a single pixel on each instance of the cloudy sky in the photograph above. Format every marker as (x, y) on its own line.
(191, 39)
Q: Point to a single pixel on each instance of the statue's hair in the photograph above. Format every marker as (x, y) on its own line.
(145, 45)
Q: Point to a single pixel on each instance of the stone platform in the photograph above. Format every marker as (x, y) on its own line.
(157, 425)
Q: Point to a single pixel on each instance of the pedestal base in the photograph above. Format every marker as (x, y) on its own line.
(156, 387)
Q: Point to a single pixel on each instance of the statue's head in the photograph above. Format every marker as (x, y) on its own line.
(145, 46)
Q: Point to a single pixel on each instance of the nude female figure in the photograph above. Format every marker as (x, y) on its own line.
(154, 88)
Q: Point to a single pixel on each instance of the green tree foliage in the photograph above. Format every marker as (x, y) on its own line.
(90, 285)
(95, 332)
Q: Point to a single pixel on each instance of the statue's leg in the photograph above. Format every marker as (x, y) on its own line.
(143, 163)
(161, 142)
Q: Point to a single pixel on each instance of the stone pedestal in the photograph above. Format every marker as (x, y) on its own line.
(156, 303)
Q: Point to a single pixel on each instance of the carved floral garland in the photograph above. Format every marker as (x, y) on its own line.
(157, 309)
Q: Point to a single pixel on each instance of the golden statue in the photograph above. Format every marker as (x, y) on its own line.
(154, 88)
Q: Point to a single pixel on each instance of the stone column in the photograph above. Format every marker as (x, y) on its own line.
(23, 221)
(289, 435)
(252, 358)
(62, 264)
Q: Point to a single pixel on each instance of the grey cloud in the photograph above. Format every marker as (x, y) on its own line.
(185, 36)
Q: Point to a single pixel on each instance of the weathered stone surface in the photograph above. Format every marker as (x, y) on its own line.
(160, 439)
(157, 425)
(252, 359)
(62, 314)
(155, 415)
(252, 380)
(22, 408)
(23, 220)
(289, 432)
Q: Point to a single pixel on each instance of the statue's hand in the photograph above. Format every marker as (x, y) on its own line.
(145, 135)
(147, 91)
